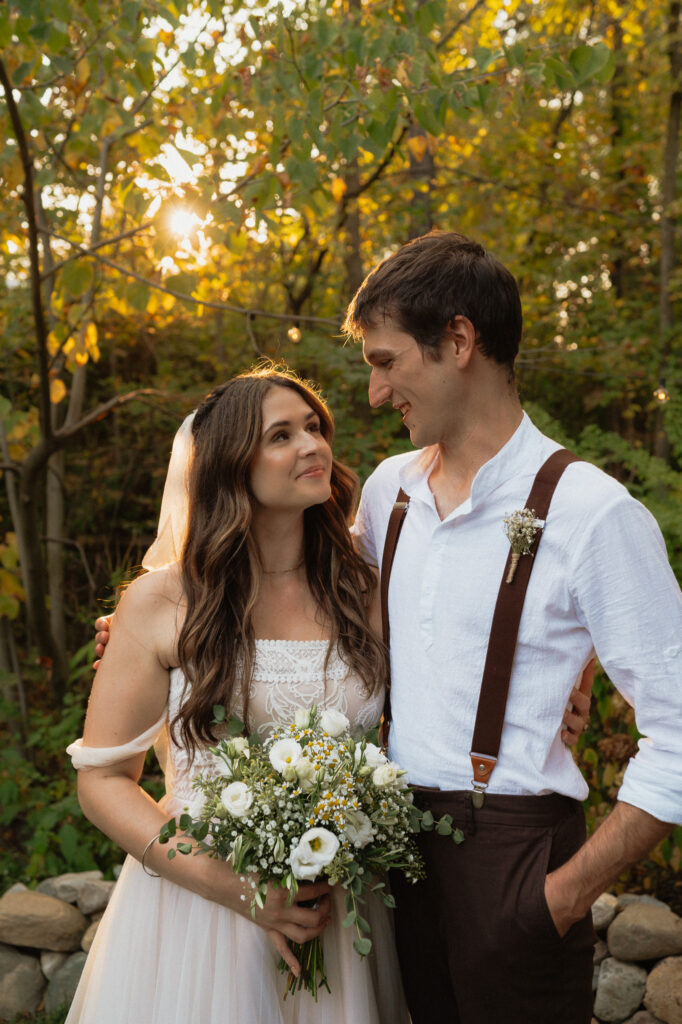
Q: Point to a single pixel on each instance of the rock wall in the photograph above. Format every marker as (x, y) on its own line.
(45, 935)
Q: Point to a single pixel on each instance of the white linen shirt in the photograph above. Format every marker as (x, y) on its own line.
(601, 583)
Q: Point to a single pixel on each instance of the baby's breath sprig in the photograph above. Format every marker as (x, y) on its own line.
(521, 527)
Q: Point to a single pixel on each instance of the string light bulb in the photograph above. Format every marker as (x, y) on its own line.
(661, 394)
(294, 335)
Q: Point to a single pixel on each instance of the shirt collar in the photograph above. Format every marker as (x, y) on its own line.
(512, 459)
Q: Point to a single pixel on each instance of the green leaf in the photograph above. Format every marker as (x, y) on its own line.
(444, 828)
(363, 925)
(349, 920)
(219, 713)
(427, 118)
(389, 900)
(591, 61)
(362, 946)
(185, 848)
(77, 277)
(458, 836)
(427, 821)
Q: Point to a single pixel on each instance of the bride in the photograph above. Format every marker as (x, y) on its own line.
(266, 609)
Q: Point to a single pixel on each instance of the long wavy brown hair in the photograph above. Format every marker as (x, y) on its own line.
(221, 565)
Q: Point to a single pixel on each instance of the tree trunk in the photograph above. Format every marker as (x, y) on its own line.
(672, 138)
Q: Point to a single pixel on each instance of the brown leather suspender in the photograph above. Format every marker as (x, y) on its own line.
(505, 625)
(395, 525)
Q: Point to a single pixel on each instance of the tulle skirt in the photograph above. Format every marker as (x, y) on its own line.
(163, 955)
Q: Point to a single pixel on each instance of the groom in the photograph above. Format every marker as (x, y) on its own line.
(500, 930)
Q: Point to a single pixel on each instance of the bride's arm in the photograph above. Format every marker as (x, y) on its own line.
(129, 695)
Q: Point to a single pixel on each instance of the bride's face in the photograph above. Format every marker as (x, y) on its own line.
(291, 469)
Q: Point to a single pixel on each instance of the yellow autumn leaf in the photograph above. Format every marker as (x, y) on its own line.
(57, 390)
(81, 358)
(68, 346)
(417, 146)
(339, 189)
(52, 343)
(13, 173)
(83, 70)
(90, 336)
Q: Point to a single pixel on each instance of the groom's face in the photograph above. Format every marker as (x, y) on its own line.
(424, 391)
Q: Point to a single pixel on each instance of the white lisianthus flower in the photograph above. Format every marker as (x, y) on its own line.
(334, 722)
(302, 718)
(305, 772)
(315, 850)
(220, 767)
(237, 798)
(388, 775)
(283, 753)
(374, 756)
(358, 828)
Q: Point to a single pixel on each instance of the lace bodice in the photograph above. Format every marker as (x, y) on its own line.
(287, 674)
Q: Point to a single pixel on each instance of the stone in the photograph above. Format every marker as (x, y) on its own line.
(94, 896)
(626, 898)
(89, 936)
(17, 887)
(21, 983)
(40, 921)
(664, 990)
(644, 931)
(116, 870)
(603, 911)
(643, 1017)
(66, 887)
(62, 987)
(51, 962)
(601, 951)
(619, 991)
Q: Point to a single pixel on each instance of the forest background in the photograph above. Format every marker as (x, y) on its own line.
(188, 188)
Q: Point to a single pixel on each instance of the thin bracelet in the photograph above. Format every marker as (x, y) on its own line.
(152, 874)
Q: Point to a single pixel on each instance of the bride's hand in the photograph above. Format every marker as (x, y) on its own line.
(295, 922)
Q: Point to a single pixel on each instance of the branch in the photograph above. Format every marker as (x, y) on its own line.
(79, 548)
(92, 248)
(28, 197)
(99, 412)
(183, 297)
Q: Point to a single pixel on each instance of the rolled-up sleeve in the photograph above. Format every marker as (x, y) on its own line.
(630, 602)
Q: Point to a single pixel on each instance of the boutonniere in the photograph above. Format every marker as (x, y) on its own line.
(521, 528)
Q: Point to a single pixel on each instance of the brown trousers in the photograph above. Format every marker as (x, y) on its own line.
(476, 941)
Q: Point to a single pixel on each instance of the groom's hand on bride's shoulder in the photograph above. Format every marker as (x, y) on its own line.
(101, 638)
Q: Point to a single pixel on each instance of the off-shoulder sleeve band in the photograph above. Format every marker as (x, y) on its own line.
(84, 758)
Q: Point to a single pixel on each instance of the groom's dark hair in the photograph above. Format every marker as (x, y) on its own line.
(431, 280)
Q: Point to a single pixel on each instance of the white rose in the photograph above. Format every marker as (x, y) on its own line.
(359, 828)
(302, 718)
(334, 722)
(315, 850)
(241, 745)
(388, 775)
(305, 772)
(196, 805)
(237, 798)
(284, 752)
(374, 756)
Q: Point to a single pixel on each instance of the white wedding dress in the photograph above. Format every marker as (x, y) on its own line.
(163, 955)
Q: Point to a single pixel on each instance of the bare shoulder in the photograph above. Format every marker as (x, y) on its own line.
(156, 593)
(150, 612)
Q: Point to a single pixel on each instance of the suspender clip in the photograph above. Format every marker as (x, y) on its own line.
(483, 766)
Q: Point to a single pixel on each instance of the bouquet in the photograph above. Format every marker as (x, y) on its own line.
(311, 802)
